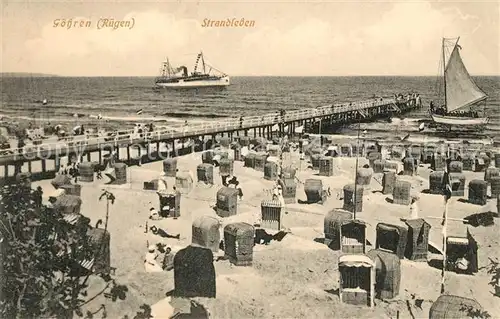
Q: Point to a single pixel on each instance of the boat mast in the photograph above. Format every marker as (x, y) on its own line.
(444, 74)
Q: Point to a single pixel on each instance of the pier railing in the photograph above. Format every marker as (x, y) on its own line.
(160, 134)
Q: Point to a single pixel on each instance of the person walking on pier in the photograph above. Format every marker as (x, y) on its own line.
(241, 121)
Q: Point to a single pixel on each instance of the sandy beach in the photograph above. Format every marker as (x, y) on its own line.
(297, 277)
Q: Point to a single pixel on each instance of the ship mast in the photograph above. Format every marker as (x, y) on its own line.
(203, 62)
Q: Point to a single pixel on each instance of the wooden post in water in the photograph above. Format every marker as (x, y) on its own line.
(6, 171)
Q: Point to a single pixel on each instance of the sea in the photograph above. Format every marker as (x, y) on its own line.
(118, 99)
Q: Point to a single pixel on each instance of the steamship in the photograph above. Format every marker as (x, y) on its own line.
(179, 78)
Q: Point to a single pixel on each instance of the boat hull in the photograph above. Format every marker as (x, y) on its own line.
(182, 84)
(459, 121)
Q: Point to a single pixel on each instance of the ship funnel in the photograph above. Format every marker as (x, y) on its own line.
(184, 69)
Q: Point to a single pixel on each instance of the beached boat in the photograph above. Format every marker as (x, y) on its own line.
(461, 93)
(178, 78)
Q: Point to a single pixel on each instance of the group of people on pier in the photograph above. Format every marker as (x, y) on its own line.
(413, 99)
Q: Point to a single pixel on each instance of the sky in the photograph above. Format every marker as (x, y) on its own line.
(287, 39)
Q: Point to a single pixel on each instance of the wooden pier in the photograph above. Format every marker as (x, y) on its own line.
(14, 160)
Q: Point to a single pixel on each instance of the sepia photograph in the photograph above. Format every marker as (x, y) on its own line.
(250, 159)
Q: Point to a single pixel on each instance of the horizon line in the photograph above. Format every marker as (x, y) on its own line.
(26, 74)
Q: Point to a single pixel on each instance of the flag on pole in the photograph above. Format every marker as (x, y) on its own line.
(139, 112)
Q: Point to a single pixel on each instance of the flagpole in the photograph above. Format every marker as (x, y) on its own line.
(445, 225)
(447, 192)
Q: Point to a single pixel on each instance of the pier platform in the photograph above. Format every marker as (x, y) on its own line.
(290, 123)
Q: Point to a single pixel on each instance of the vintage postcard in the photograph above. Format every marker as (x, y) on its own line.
(250, 159)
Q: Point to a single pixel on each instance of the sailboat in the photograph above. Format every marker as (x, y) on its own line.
(178, 78)
(461, 93)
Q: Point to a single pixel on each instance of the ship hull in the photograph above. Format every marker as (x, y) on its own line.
(194, 84)
(460, 121)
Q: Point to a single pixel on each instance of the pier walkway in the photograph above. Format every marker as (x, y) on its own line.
(263, 125)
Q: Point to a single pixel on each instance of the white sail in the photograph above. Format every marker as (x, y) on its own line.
(461, 91)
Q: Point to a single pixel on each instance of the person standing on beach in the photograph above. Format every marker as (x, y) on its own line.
(414, 208)
(234, 182)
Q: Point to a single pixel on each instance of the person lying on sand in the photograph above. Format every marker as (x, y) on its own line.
(160, 232)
